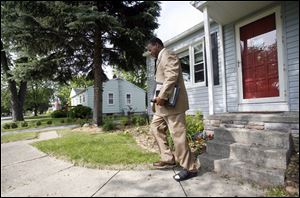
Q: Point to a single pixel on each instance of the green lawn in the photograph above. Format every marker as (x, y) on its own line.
(96, 150)
(18, 137)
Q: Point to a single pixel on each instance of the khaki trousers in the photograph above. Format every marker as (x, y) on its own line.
(176, 125)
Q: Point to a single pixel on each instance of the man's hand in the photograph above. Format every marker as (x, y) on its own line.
(160, 101)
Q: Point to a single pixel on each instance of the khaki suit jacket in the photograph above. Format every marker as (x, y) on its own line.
(168, 72)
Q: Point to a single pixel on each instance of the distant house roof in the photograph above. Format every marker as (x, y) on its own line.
(76, 91)
(79, 90)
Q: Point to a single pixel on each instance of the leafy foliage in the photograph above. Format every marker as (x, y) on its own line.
(80, 112)
(14, 125)
(58, 114)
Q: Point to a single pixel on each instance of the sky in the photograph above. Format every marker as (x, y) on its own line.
(175, 18)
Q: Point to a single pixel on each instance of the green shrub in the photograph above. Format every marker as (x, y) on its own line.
(62, 121)
(38, 123)
(49, 122)
(69, 120)
(6, 126)
(14, 125)
(80, 112)
(170, 140)
(24, 124)
(58, 114)
(194, 124)
(80, 121)
(124, 121)
(140, 121)
(108, 125)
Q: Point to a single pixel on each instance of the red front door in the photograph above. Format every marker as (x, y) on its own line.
(259, 58)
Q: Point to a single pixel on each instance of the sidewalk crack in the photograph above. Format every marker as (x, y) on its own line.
(24, 161)
(105, 183)
(181, 186)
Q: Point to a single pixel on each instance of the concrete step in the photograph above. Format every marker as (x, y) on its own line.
(256, 154)
(218, 148)
(271, 139)
(259, 155)
(248, 171)
(282, 117)
(206, 161)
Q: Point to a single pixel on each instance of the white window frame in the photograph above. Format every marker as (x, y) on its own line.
(190, 48)
(83, 98)
(80, 100)
(113, 98)
(193, 63)
(126, 102)
(281, 72)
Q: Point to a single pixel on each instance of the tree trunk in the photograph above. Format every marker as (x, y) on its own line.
(97, 115)
(17, 99)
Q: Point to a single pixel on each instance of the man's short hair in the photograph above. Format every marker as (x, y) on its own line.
(155, 40)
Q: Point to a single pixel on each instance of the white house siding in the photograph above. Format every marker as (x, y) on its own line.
(137, 97)
(90, 97)
(230, 68)
(197, 95)
(291, 32)
(111, 86)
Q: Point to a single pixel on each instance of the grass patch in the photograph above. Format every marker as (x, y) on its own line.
(44, 123)
(278, 191)
(96, 150)
(18, 137)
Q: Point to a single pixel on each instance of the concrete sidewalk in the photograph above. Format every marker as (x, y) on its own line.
(49, 128)
(25, 171)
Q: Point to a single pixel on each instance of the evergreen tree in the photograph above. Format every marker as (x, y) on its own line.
(57, 40)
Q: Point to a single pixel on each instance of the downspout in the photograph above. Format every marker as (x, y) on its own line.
(210, 76)
(223, 68)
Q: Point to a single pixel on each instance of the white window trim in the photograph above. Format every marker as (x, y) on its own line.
(126, 98)
(108, 98)
(202, 84)
(281, 73)
(190, 48)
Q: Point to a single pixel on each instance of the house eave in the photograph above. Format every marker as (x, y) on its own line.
(226, 12)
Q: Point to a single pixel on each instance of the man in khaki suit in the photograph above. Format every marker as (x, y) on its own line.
(168, 73)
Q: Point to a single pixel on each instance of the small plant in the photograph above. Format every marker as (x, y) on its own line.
(6, 126)
(38, 123)
(108, 125)
(170, 141)
(123, 121)
(49, 122)
(14, 125)
(140, 121)
(80, 112)
(58, 114)
(24, 124)
(62, 121)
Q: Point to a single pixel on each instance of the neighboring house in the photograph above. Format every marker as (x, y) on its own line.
(241, 70)
(56, 105)
(118, 97)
